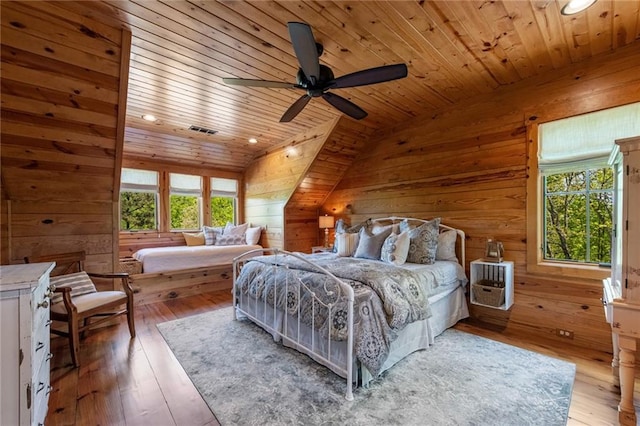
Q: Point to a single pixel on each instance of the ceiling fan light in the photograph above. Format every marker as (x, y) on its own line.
(576, 6)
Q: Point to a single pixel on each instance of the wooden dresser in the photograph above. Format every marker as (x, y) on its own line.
(24, 343)
(622, 290)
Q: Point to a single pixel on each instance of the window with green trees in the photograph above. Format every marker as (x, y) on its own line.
(574, 194)
(224, 193)
(185, 201)
(578, 216)
(138, 200)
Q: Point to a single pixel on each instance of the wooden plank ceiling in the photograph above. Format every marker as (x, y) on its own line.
(181, 50)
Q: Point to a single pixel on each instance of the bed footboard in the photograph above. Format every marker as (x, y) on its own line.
(325, 303)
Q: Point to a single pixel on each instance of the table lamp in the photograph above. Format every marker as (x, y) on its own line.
(325, 222)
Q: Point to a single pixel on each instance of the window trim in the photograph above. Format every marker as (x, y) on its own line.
(536, 263)
(163, 212)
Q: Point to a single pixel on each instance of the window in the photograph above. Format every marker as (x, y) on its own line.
(138, 200)
(224, 195)
(578, 210)
(571, 199)
(185, 201)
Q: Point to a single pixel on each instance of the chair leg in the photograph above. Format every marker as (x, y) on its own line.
(74, 341)
(130, 319)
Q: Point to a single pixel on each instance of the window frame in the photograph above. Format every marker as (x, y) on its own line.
(226, 194)
(141, 189)
(163, 212)
(587, 193)
(199, 198)
(536, 263)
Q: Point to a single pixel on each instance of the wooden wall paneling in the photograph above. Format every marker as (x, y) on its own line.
(346, 140)
(271, 180)
(63, 89)
(468, 165)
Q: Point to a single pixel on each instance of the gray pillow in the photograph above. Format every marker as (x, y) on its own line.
(423, 243)
(369, 245)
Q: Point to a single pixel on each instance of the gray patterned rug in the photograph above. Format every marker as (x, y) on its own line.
(247, 379)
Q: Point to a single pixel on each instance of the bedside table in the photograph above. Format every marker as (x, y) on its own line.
(321, 249)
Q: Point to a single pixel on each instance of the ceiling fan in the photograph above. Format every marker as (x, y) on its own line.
(317, 79)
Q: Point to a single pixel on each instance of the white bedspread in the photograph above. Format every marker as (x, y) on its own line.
(164, 259)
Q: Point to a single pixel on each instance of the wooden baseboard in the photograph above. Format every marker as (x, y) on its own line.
(163, 286)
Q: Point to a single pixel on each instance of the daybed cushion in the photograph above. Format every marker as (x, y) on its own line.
(164, 259)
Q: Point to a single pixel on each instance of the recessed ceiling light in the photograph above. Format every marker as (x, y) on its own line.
(253, 140)
(576, 6)
(149, 117)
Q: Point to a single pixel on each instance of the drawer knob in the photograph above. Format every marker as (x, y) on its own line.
(43, 304)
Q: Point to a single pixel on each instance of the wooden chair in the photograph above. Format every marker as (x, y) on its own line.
(76, 301)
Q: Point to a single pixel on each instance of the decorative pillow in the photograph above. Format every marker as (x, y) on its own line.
(346, 244)
(423, 241)
(79, 282)
(395, 248)
(194, 239)
(252, 235)
(210, 234)
(369, 245)
(231, 240)
(231, 229)
(447, 246)
(341, 227)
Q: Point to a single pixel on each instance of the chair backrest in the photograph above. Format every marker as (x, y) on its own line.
(66, 263)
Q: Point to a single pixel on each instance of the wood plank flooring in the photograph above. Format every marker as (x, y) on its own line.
(123, 381)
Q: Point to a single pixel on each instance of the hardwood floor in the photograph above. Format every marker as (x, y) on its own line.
(123, 381)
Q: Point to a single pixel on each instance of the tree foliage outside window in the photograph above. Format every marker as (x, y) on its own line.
(222, 210)
(137, 211)
(185, 212)
(578, 216)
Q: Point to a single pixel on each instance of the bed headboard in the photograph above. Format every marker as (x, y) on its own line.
(460, 241)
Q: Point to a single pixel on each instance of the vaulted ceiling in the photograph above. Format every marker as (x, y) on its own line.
(181, 50)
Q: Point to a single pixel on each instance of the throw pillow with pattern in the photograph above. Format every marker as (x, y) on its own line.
(423, 241)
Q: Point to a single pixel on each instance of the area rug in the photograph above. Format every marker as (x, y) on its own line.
(248, 379)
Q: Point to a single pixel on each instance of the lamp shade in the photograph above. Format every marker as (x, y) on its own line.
(325, 222)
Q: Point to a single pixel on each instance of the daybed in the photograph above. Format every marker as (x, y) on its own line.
(179, 271)
(164, 259)
(356, 315)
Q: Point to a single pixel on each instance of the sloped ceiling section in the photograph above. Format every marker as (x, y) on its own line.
(454, 50)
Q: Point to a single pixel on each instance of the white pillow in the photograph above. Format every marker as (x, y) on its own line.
(253, 235)
(396, 248)
(346, 244)
(447, 246)
(231, 229)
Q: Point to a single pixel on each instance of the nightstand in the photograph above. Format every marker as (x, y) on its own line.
(492, 284)
(321, 249)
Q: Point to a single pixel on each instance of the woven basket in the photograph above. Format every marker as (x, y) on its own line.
(488, 295)
(130, 265)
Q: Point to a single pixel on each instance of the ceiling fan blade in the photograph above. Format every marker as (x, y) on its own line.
(258, 83)
(345, 105)
(370, 76)
(304, 46)
(295, 109)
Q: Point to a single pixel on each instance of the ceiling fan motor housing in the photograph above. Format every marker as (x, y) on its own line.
(317, 89)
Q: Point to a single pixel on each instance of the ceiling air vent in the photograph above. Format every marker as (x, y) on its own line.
(203, 130)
